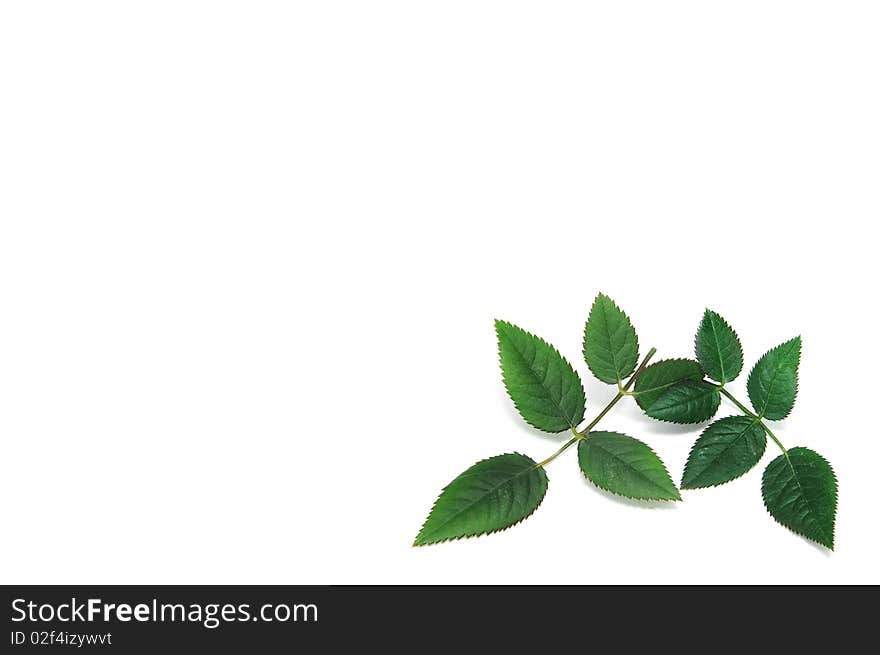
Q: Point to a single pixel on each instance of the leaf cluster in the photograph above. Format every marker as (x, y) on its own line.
(799, 487)
(547, 391)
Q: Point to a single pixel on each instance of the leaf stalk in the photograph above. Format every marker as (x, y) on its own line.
(758, 419)
(622, 391)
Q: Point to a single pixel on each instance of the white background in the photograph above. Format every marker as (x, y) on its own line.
(250, 254)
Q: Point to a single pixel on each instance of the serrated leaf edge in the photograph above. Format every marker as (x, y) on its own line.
(706, 312)
(796, 378)
(635, 393)
(415, 543)
(622, 495)
(629, 322)
(836, 497)
(736, 477)
(577, 376)
(666, 420)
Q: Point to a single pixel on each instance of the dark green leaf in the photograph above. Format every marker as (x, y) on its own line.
(725, 450)
(658, 378)
(611, 346)
(800, 492)
(718, 348)
(772, 383)
(686, 402)
(544, 387)
(491, 495)
(625, 466)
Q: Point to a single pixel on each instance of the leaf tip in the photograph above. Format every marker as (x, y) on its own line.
(794, 344)
(421, 539)
(604, 299)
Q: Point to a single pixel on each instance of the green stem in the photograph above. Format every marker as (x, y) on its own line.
(773, 436)
(745, 410)
(578, 436)
(565, 446)
(640, 369)
(620, 393)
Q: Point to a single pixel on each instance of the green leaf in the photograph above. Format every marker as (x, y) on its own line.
(772, 383)
(491, 495)
(611, 346)
(800, 492)
(658, 378)
(718, 348)
(625, 466)
(686, 402)
(725, 450)
(544, 387)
